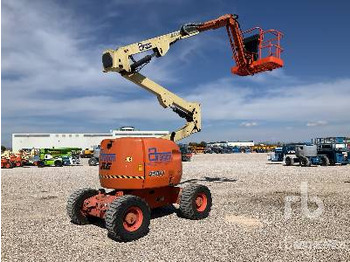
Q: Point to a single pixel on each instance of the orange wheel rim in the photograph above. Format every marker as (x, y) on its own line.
(201, 202)
(133, 219)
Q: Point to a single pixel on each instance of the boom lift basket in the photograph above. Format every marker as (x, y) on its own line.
(263, 49)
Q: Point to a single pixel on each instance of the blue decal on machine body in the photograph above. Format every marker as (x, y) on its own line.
(155, 156)
(107, 157)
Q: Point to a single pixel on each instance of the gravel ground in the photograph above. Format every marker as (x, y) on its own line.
(247, 222)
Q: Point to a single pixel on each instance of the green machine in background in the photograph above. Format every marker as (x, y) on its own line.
(64, 156)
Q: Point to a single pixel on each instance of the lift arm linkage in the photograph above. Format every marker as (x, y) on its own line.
(121, 60)
(189, 110)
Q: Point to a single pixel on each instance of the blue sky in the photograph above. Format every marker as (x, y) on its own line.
(52, 78)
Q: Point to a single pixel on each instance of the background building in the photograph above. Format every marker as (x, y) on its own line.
(241, 143)
(232, 143)
(82, 140)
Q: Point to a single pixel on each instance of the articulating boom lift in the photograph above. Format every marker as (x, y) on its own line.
(144, 172)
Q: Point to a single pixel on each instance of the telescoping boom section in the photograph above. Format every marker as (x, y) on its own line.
(253, 51)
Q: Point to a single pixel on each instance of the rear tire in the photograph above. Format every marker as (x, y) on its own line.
(289, 161)
(128, 218)
(92, 161)
(325, 161)
(58, 163)
(75, 203)
(40, 164)
(305, 161)
(195, 202)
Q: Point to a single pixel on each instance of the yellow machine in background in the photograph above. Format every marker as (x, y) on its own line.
(87, 153)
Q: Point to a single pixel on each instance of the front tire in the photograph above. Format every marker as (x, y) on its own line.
(128, 218)
(195, 202)
(93, 161)
(58, 163)
(325, 161)
(305, 161)
(289, 161)
(40, 164)
(75, 204)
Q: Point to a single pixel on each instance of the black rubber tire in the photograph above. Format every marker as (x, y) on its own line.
(289, 161)
(188, 207)
(93, 161)
(76, 160)
(75, 203)
(325, 161)
(115, 216)
(305, 161)
(40, 164)
(58, 163)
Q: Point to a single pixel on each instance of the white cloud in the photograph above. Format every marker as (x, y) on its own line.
(248, 124)
(268, 77)
(46, 50)
(316, 123)
(51, 50)
(225, 100)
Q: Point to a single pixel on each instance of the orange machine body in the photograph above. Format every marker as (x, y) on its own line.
(139, 163)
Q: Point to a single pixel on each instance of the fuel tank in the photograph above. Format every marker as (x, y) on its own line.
(138, 163)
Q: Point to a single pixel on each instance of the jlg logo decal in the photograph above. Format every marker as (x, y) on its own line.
(106, 160)
(144, 46)
(155, 156)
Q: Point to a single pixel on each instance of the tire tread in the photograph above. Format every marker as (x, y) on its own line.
(116, 208)
(75, 202)
(187, 209)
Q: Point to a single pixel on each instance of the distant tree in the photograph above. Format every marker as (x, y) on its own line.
(3, 148)
(203, 143)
